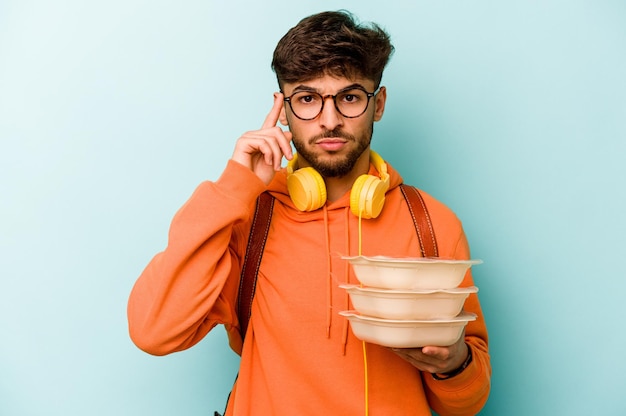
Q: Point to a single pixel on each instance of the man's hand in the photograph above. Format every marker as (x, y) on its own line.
(262, 150)
(436, 359)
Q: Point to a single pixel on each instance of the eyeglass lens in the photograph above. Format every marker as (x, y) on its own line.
(350, 103)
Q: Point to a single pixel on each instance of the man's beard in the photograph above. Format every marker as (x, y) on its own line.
(335, 168)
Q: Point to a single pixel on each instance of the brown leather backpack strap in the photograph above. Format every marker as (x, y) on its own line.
(252, 261)
(421, 220)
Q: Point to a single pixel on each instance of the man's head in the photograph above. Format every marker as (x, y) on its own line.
(331, 66)
(331, 43)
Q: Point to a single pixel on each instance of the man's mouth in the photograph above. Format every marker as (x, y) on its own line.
(331, 140)
(331, 144)
(332, 137)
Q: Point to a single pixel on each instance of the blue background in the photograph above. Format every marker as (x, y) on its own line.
(511, 112)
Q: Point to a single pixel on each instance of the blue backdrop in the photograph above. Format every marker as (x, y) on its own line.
(511, 112)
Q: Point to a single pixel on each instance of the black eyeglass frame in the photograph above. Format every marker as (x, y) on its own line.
(334, 97)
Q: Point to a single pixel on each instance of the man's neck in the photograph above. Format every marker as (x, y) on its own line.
(337, 187)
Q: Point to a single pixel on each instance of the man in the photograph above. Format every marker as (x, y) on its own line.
(299, 356)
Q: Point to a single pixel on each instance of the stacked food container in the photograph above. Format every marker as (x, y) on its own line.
(408, 302)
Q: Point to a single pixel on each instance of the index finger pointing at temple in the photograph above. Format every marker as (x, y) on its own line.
(272, 117)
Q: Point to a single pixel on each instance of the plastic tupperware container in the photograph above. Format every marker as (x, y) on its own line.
(409, 273)
(408, 304)
(408, 333)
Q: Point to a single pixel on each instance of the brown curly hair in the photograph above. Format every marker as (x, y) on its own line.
(332, 43)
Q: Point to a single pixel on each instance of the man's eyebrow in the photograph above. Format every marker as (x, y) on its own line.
(356, 85)
(303, 87)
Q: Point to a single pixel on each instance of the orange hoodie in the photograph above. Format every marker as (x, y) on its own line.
(299, 356)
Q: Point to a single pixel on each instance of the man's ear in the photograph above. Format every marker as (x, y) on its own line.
(379, 103)
(282, 117)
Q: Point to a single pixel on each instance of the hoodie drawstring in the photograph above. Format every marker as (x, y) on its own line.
(344, 332)
(329, 280)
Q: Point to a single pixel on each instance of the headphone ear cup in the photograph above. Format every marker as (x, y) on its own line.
(307, 189)
(367, 196)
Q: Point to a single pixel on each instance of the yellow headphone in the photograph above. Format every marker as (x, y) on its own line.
(367, 196)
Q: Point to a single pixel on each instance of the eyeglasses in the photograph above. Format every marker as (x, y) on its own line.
(350, 103)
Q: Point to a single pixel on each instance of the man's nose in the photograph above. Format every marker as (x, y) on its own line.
(330, 118)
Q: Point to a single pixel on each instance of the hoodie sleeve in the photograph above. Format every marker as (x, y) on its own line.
(191, 286)
(467, 392)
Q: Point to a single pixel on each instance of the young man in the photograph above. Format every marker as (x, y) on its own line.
(299, 356)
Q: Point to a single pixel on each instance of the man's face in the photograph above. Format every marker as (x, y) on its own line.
(332, 143)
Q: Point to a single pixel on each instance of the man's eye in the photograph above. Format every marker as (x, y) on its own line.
(307, 99)
(351, 97)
